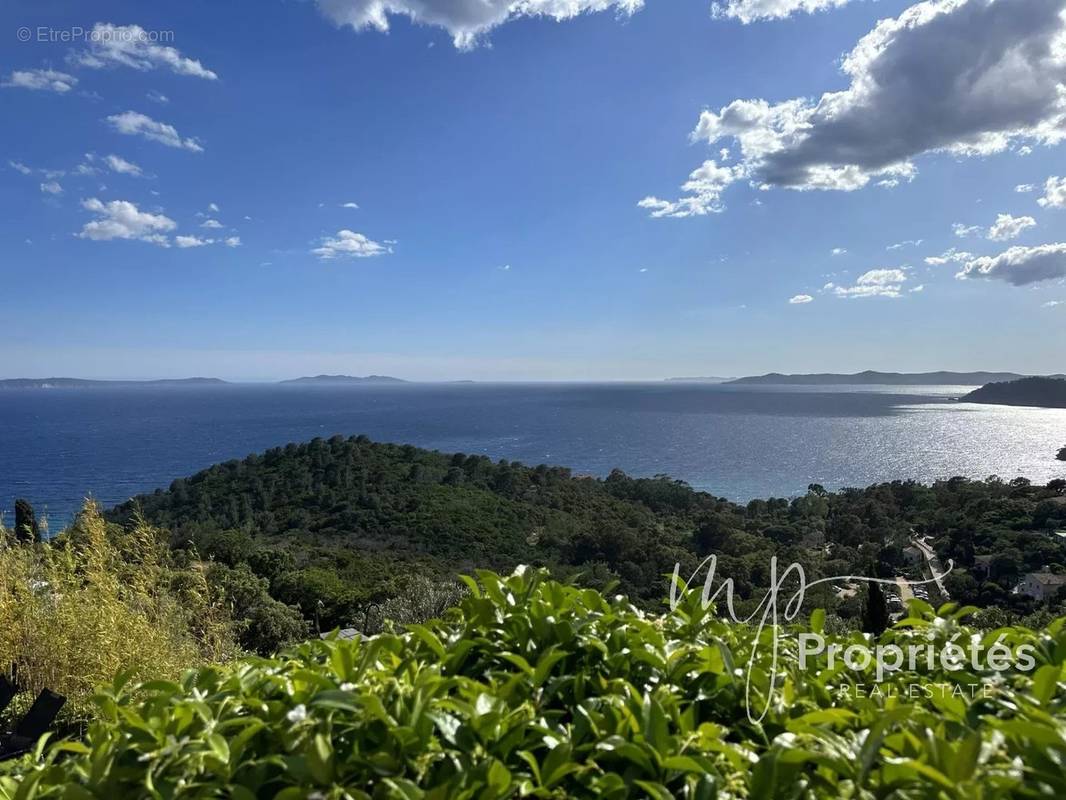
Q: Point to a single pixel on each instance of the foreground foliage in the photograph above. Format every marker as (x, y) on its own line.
(537, 689)
(77, 610)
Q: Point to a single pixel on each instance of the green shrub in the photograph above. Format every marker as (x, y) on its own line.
(533, 688)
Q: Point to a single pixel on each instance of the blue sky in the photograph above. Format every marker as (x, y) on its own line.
(519, 188)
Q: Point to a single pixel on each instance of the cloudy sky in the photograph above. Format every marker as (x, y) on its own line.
(531, 189)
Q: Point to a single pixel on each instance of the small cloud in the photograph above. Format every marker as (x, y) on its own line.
(121, 219)
(157, 97)
(191, 241)
(122, 166)
(213, 207)
(838, 251)
(1054, 193)
(349, 244)
(18, 166)
(505, 268)
(1054, 303)
(950, 256)
(41, 80)
(133, 123)
(1007, 227)
(873, 283)
(51, 187)
(1023, 188)
(919, 288)
(210, 223)
(643, 269)
(132, 46)
(962, 231)
(350, 205)
(905, 243)
(233, 241)
(800, 299)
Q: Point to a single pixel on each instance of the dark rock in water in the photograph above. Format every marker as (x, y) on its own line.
(26, 529)
(1062, 454)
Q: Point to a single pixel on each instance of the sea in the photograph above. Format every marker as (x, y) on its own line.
(60, 446)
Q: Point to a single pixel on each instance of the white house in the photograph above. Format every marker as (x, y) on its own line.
(1041, 585)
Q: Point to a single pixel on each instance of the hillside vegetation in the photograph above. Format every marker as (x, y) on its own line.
(536, 689)
(1045, 392)
(76, 611)
(341, 529)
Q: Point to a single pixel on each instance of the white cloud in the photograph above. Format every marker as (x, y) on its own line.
(122, 166)
(1007, 227)
(838, 251)
(133, 123)
(962, 231)
(1023, 188)
(965, 77)
(86, 167)
(800, 299)
(1054, 193)
(703, 189)
(350, 205)
(905, 243)
(232, 241)
(41, 79)
(951, 256)
(1053, 303)
(213, 207)
(466, 20)
(210, 223)
(121, 219)
(752, 10)
(18, 166)
(157, 97)
(191, 241)
(919, 288)
(133, 46)
(874, 283)
(1020, 266)
(348, 244)
(51, 188)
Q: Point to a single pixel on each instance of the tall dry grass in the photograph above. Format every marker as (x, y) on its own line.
(98, 601)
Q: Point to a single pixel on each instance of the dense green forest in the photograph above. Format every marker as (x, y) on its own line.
(346, 532)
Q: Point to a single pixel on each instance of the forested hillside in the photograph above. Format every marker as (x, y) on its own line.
(340, 527)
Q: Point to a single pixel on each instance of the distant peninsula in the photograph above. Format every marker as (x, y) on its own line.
(1042, 392)
(83, 383)
(871, 378)
(342, 380)
(701, 379)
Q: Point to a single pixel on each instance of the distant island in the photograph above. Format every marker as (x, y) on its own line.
(1043, 392)
(870, 377)
(701, 379)
(335, 380)
(82, 383)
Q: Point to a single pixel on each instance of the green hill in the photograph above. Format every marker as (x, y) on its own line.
(1046, 392)
(341, 528)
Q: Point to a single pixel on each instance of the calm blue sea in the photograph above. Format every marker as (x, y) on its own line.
(58, 446)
